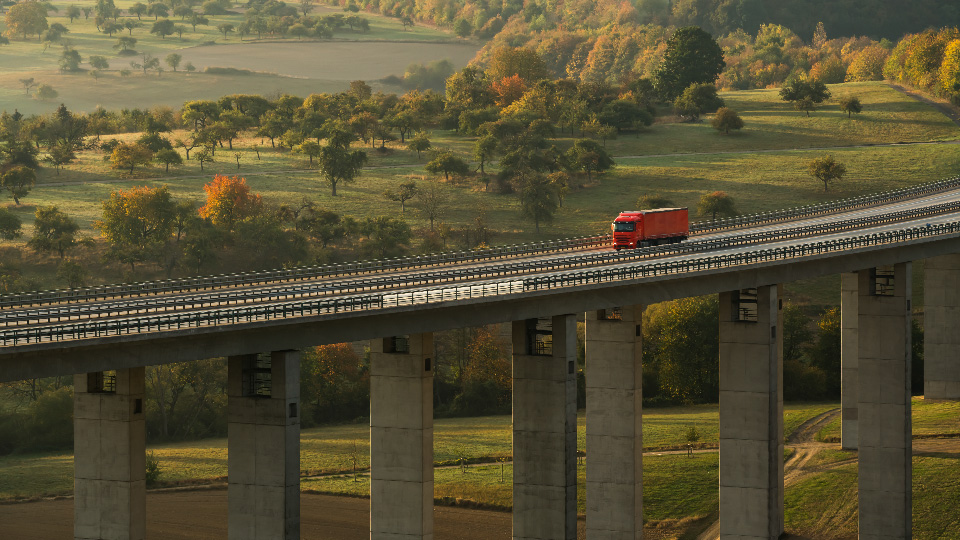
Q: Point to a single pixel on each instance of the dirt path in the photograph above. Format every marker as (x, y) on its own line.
(950, 111)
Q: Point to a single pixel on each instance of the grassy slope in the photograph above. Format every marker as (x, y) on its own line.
(23, 59)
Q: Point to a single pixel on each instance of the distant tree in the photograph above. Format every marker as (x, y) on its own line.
(850, 104)
(484, 150)
(69, 60)
(697, 99)
(538, 199)
(805, 95)
(168, 157)
(128, 156)
(73, 12)
(406, 21)
(26, 18)
(385, 237)
(623, 114)
(726, 119)
(18, 181)
(683, 337)
(110, 28)
(306, 6)
(27, 85)
(53, 230)
(229, 201)
(130, 24)
(189, 67)
(180, 29)
(692, 56)
(716, 204)
(447, 163)
(173, 60)
(10, 225)
(225, 29)
(311, 149)
(212, 7)
(137, 223)
(826, 170)
(183, 11)
(125, 43)
(72, 274)
(61, 154)
(461, 27)
(432, 201)
(138, 9)
(298, 30)
(419, 143)
(203, 156)
(148, 62)
(337, 163)
(99, 62)
(649, 202)
(162, 28)
(404, 193)
(588, 156)
(158, 10)
(198, 19)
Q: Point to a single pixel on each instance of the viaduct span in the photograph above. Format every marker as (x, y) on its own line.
(106, 336)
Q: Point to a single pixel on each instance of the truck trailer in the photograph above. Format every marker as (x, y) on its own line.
(642, 228)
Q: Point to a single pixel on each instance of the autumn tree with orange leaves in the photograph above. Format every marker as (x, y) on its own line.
(229, 201)
(507, 90)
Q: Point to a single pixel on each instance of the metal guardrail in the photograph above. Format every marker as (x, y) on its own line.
(150, 324)
(825, 208)
(379, 283)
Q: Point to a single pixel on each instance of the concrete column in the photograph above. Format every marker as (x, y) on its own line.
(614, 418)
(941, 323)
(751, 414)
(263, 459)
(401, 438)
(109, 456)
(885, 468)
(849, 355)
(545, 430)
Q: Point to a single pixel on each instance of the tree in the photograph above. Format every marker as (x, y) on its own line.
(225, 29)
(203, 156)
(448, 164)
(53, 230)
(406, 21)
(586, 155)
(158, 10)
(10, 225)
(162, 28)
(60, 155)
(229, 201)
(45, 92)
(432, 201)
(69, 60)
(337, 163)
(137, 223)
(697, 99)
(805, 95)
(419, 143)
(168, 157)
(404, 193)
(385, 237)
(461, 27)
(850, 104)
(716, 204)
(129, 155)
(538, 199)
(682, 340)
(125, 43)
(27, 85)
(826, 170)
(26, 18)
(649, 202)
(306, 6)
(198, 19)
(73, 12)
(99, 62)
(111, 28)
(726, 119)
(137, 9)
(692, 56)
(18, 180)
(310, 149)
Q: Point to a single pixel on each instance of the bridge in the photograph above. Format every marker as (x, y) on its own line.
(105, 336)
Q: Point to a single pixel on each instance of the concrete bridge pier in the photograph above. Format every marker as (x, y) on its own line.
(263, 460)
(941, 322)
(109, 456)
(401, 437)
(849, 359)
(751, 414)
(614, 421)
(545, 428)
(885, 468)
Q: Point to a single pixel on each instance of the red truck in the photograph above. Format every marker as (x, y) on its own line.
(642, 228)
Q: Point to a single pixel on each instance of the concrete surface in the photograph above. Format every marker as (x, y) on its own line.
(849, 359)
(941, 325)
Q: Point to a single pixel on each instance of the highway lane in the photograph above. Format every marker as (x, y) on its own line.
(445, 274)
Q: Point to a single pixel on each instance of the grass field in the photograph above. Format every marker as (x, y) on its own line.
(29, 58)
(929, 418)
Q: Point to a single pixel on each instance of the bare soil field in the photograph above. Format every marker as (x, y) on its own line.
(329, 60)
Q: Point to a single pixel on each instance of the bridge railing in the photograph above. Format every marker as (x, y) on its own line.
(314, 307)
(295, 291)
(852, 203)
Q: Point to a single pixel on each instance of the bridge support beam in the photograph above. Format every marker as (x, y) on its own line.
(614, 420)
(545, 429)
(401, 438)
(751, 414)
(941, 322)
(263, 460)
(109, 456)
(885, 469)
(849, 359)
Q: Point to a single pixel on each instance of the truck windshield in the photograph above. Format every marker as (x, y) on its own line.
(624, 226)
